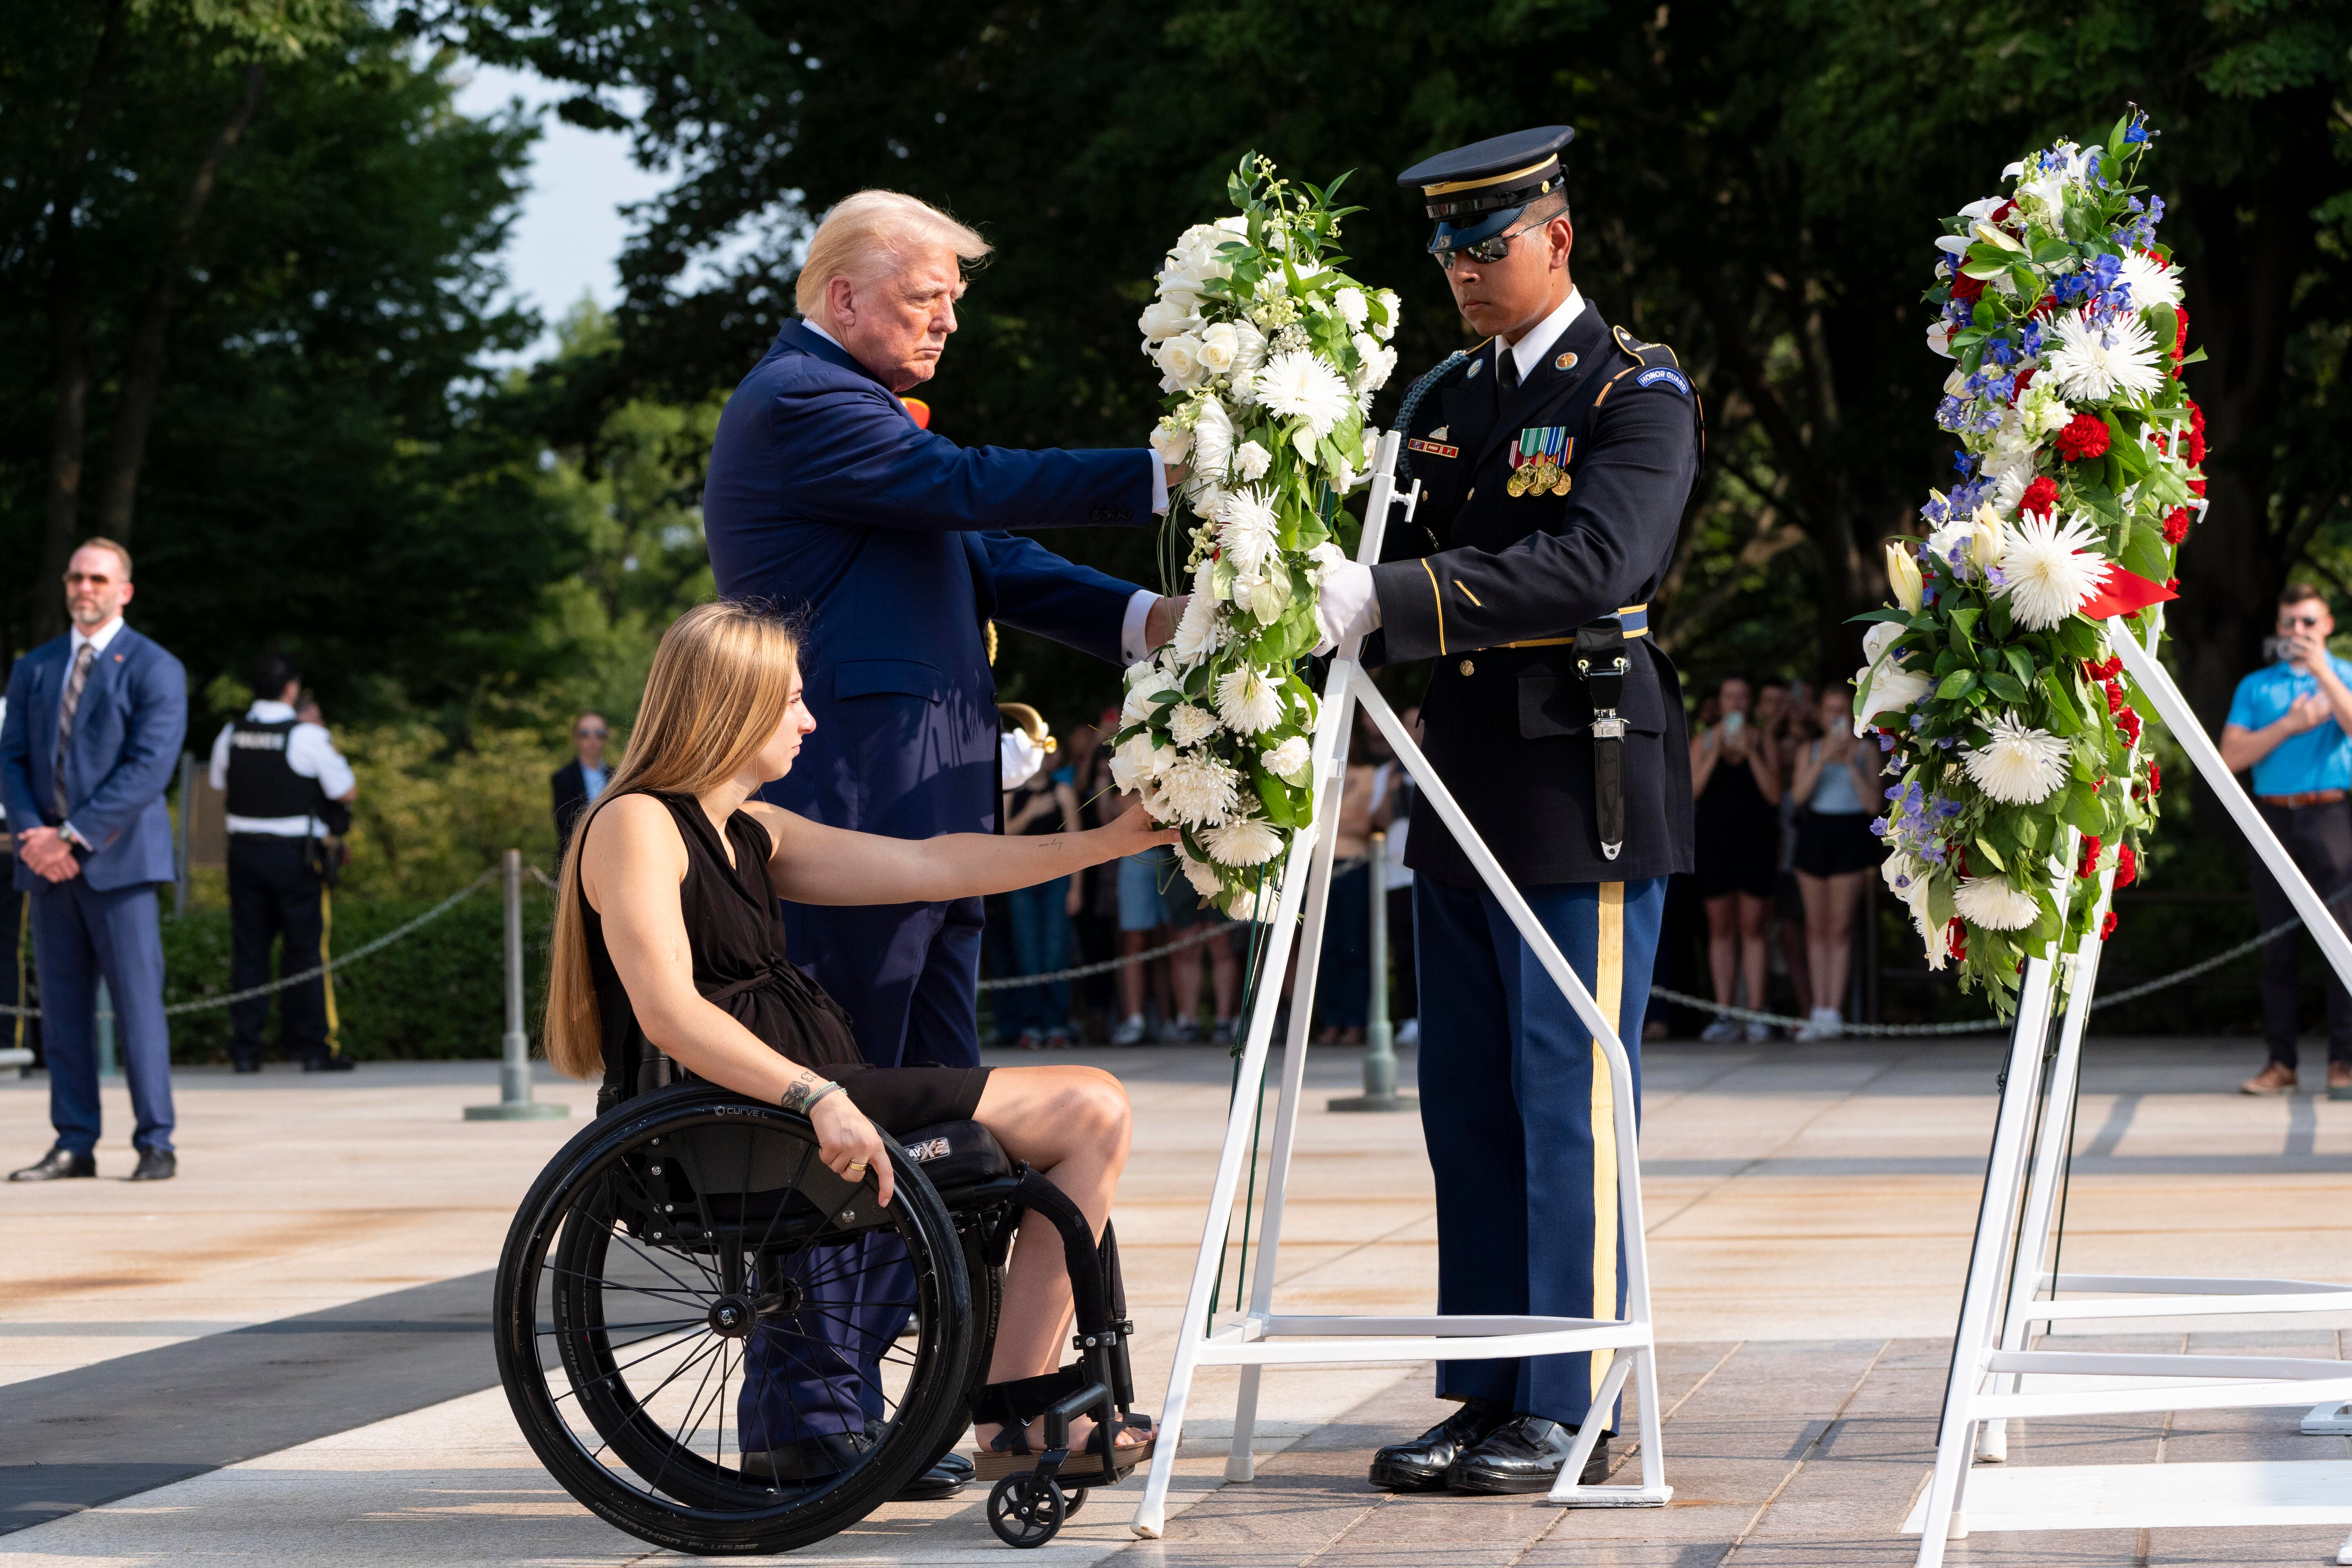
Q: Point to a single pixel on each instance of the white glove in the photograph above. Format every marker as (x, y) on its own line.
(1347, 607)
(1019, 756)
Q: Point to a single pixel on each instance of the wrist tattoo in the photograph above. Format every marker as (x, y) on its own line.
(805, 1093)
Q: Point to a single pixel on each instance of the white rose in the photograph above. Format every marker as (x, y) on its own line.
(1166, 318)
(1351, 306)
(1171, 441)
(1389, 303)
(1133, 765)
(1179, 360)
(1219, 346)
(1252, 461)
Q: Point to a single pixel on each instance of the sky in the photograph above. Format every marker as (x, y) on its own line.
(571, 229)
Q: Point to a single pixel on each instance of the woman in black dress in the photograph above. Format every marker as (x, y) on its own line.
(1736, 784)
(670, 952)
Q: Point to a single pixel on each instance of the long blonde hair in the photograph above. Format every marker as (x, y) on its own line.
(720, 683)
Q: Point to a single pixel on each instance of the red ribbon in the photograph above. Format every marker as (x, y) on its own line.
(2124, 594)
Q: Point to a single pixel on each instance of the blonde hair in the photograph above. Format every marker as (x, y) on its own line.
(872, 234)
(99, 541)
(721, 683)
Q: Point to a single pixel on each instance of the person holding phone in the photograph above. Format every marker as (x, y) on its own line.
(2291, 723)
(1735, 783)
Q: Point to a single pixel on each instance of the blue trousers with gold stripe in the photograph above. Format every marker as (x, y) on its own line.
(1515, 1103)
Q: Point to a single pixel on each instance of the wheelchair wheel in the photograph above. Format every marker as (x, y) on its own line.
(695, 1333)
(1027, 1511)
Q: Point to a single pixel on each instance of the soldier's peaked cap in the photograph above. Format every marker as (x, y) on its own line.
(1477, 192)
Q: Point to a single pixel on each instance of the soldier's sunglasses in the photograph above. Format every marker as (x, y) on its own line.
(1485, 252)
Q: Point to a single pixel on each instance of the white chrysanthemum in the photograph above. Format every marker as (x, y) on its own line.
(1189, 725)
(1252, 460)
(1249, 842)
(2049, 568)
(1299, 385)
(1388, 303)
(2096, 360)
(1200, 790)
(1248, 702)
(1289, 761)
(1212, 438)
(2019, 766)
(1252, 904)
(1197, 628)
(2152, 281)
(1991, 904)
(1201, 874)
(1246, 525)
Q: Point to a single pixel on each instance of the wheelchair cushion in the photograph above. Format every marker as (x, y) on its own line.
(954, 1155)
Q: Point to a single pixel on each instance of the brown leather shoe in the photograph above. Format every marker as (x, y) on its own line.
(2276, 1078)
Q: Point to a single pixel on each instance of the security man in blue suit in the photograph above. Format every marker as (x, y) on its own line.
(94, 727)
(826, 495)
(1556, 460)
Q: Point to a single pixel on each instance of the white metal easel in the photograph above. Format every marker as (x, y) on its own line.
(2007, 1280)
(1262, 1338)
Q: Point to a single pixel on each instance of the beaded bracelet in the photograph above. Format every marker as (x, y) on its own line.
(803, 1095)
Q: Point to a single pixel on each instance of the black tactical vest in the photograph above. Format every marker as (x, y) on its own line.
(261, 782)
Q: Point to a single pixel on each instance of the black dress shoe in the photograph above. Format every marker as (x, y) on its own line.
(943, 1479)
(245, 1063)
(1421, 1465)
(56, 1165)
(156, 1165)
(810, 1459)
(328, 1064)
(1524, 1455)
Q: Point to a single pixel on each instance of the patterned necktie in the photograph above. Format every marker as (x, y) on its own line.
(1507, 370)
(67, 703)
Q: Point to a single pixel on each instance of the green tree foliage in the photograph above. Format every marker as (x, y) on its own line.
(326, 471)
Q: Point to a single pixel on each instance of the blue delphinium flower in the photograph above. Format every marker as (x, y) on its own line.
(1965, 462)
(2136, 131)
(1951, 412)
(1994, 577)
(1998, 352)
(1885, 742)
(2029, 340)
(1878, 827)
(2000, 388)
(2072, 287)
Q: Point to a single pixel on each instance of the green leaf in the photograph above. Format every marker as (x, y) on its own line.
(1303, 440)
(1956, 684)
(1276, 796)
(1884, 612)
(2146, 553)
(2021, 664)
(2006, 687)
(1998, 863)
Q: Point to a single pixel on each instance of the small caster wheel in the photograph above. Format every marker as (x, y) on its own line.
(1077, 1501)
(1026, 1511)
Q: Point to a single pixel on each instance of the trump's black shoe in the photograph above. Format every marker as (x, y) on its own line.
(946, 1478)
(810, 1459)
(1524, 1455)
(1421, 1466)
(56, 1165)
(156, 1165)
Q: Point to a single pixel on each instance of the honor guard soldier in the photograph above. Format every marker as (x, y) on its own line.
(287, 788)
(1555, 460)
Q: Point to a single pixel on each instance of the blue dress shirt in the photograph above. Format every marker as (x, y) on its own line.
(2319, 758)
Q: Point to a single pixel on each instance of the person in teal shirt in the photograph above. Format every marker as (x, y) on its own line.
(2291, 722)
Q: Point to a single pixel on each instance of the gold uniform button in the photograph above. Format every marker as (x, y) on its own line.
(1468, 668)
(1470, 497)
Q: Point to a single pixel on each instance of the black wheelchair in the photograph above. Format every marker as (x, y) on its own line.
(687, 1263)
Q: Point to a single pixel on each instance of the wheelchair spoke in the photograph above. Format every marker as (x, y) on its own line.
(656, 1291)
(808, 1153)
(863, 1333)
(676, 1339)
(608, 1328)
(692, 1407)
(622, 1234)
(834, 1351)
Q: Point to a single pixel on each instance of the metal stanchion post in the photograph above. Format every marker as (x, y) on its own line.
(1380, 1054)
(515, 1103)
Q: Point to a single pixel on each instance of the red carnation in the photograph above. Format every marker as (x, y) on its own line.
(2084, 438)
(2127, 867)
(2155, 780)
(2172, 585)
(2196, 417)
(2115, 696)
(2129, 722)
(2180, 338)
(1956, 937)
(2193, 449)
(2090, 865)
(2044, 305)
(2108, 926)
(2197, 487)
(2020, 381)
(1966, 290)
(2042, 495)
(2176, 525)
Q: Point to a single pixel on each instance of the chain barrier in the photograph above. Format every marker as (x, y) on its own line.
(1993, 1027)
(203, 1003)
(1190, 939)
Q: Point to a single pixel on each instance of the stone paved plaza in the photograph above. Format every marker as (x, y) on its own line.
(278, 1357)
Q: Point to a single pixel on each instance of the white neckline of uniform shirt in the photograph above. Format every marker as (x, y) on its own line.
(1529, 352)
(268, 710)
(98, 639)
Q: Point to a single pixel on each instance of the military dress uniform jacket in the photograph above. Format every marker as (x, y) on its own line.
(1508, 728)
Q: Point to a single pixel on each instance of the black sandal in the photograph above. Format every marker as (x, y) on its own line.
(1014, 1404)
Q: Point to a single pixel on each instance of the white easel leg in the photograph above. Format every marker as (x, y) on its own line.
(1996, 1219)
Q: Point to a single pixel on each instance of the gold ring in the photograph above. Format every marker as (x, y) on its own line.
(856, 1170)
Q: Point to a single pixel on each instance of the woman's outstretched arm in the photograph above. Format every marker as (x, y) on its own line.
(630, 869)
(814, 864)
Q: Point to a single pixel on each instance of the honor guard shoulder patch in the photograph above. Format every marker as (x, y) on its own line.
(1435, 448)
(1663, 375)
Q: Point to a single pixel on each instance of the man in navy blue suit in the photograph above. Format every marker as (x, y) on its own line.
(827, 495)
(94, 727)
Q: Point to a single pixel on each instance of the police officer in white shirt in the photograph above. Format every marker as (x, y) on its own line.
(286, 784)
